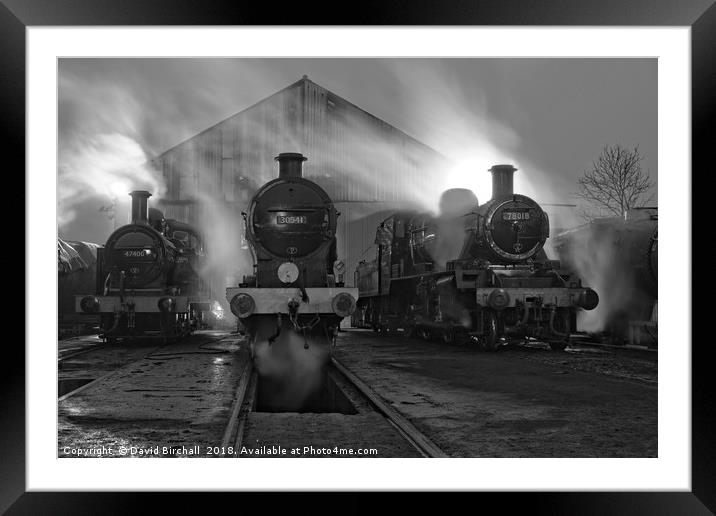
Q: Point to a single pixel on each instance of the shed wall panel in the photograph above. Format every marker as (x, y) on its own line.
(367, 166)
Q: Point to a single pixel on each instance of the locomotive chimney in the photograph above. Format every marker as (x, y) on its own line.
(290, 164)
(502, 180)
(139, 206)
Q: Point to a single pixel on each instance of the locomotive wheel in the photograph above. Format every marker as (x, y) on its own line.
(561, 324)
(449, 336)
(409, 331)
(492, 338)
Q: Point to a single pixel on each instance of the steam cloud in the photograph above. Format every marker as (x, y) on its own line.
(150, 105)
(457, 122)
(605, 267)
(105, 165)
(115, 113)
(293, 373)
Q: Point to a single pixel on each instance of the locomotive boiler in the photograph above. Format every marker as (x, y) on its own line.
(292, 295)
(148, 278)
(473, 271)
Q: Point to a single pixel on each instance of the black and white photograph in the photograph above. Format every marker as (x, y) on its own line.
(357, 258)
(252, 246)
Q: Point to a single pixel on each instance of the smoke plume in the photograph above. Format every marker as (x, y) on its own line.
(105, 166)
(596, 256)
(292, 373)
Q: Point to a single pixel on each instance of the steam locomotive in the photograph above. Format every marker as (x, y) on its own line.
(623, 259)
(76, 273)
(148, 278)
(293, 293)
(473, 272)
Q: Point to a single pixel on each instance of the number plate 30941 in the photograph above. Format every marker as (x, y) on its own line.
(291, 219)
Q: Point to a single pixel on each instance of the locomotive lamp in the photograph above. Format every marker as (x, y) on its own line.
(287, 272)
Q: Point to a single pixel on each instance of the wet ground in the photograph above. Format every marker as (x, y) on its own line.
(524, 402)
(175, 400)
(165, 400)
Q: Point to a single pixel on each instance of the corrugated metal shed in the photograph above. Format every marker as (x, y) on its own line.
(366, 165)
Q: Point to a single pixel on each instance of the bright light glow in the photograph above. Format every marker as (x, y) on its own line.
(103, 164)
(119, 189)
(472, 173)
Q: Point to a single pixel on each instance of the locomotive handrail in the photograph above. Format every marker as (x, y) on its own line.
(306, 209)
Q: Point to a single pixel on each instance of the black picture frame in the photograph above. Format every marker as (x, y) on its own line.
(700, 15)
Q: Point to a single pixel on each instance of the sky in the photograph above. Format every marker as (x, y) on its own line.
(549, 117)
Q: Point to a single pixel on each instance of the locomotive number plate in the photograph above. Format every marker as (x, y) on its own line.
(291, 219)
(516, 215)
(139, 255)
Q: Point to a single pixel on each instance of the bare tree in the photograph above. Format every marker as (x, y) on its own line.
(616, 182)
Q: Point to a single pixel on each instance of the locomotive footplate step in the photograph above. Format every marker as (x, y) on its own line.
(168, 400)
(515, 403)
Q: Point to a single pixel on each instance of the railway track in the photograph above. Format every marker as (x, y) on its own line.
(73, 352)
(149, 352)
(156, 399)
(246, 402)
(419, 440)
(627, 349)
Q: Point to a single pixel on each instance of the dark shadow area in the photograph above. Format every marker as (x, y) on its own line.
(329, 398)
(70, 384)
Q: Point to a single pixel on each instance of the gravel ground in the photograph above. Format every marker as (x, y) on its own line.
(160, 400)
(523, 402)
(520, 402)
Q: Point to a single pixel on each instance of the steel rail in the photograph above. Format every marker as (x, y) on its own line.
(419, 440)
(82, 351)
(230, 432)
